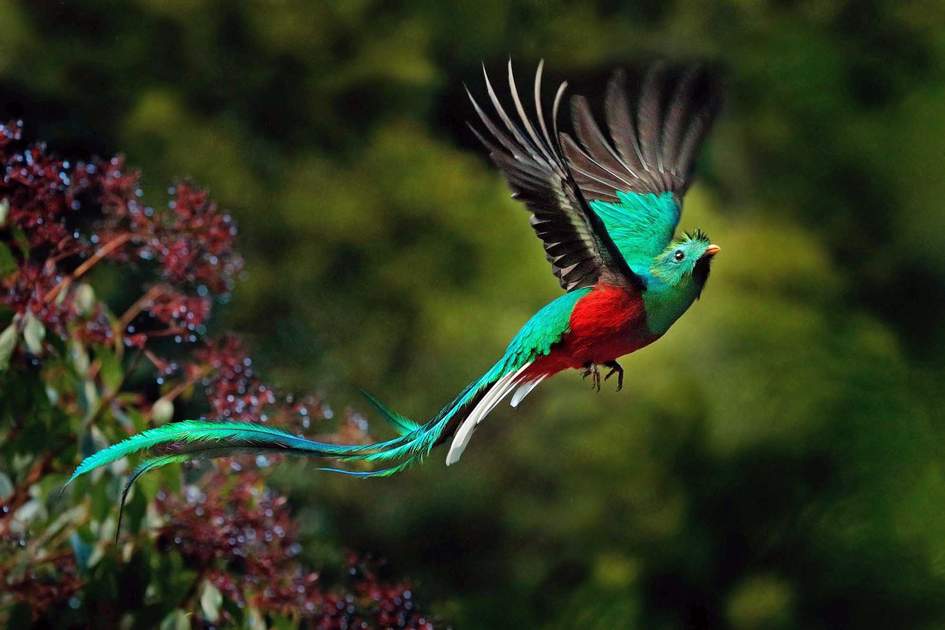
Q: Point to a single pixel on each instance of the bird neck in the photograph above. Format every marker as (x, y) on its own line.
(665, 303)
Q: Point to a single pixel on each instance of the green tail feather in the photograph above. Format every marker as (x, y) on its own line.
(403, 424)
(195, 436)
(178, 442)
(142, 468)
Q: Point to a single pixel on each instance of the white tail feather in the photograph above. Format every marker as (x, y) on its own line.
(525, 389)
(490, 401)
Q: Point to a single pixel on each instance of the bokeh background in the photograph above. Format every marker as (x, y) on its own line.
(776, 461)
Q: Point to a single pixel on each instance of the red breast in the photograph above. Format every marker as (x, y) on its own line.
(605, 324)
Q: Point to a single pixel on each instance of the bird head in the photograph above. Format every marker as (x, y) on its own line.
(685, 262)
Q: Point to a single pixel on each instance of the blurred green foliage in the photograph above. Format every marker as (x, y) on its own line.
(775, 461)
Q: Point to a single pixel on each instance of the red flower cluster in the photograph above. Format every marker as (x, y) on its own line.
(60, 219)
(179, 310)
(197, 242)
(233, 390)
(39, 190)
(45, 584)
(240, 536)
(26, 289)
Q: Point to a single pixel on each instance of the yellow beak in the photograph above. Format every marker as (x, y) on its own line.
(712, 250)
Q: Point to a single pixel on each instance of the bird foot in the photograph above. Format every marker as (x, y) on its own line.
(591, 369)
(615, 369)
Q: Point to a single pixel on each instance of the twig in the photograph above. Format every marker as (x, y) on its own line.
(140, 304)
(79, 271)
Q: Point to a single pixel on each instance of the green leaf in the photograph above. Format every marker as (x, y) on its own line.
(136, 509)
(162, 410)
(7, 345)
(7, 261)
(4, 211)
(254, 619)
(80, 358)
(278, 622)
(111, 370)
(84, 299)
(210, 601)
(177, 620)
(6, 487)
(88, 397)
(33, 333)
(172, 581)
(32, 510)
(103, 504)
(21, 241)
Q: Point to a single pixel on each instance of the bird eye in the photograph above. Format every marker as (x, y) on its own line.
(679, 255)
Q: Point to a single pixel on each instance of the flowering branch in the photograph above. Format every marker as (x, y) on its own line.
(107, 249)
(62, 361)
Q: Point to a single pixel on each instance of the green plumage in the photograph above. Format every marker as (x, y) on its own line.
(192, 436)
(539, 333)
(640, 224)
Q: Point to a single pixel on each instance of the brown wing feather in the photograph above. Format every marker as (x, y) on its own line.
(576, 244)
(656, 134)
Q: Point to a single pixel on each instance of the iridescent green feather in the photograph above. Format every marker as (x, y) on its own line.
(640, 224)
(192, 436)
(142, 468)
(190, 439)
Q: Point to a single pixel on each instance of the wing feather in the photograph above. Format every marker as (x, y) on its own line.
(650, 119)
(654, 138)
(576, 242)
(622, 129)
(599, 150)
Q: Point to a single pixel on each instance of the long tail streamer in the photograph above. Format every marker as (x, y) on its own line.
(178, 442)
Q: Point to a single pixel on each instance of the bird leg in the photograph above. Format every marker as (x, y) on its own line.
(592, 369)
(615, 369)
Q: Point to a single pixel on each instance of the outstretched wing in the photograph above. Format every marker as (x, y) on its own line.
(576, 241)
(636, 183)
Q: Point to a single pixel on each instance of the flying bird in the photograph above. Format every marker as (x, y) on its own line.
(606, 210)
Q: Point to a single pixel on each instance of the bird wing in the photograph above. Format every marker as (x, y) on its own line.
(575, 239)
(636, 182)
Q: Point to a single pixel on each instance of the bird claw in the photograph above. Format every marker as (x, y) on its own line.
(592, 369)
(615, 369)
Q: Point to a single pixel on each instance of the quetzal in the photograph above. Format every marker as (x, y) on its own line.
(606, 212)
